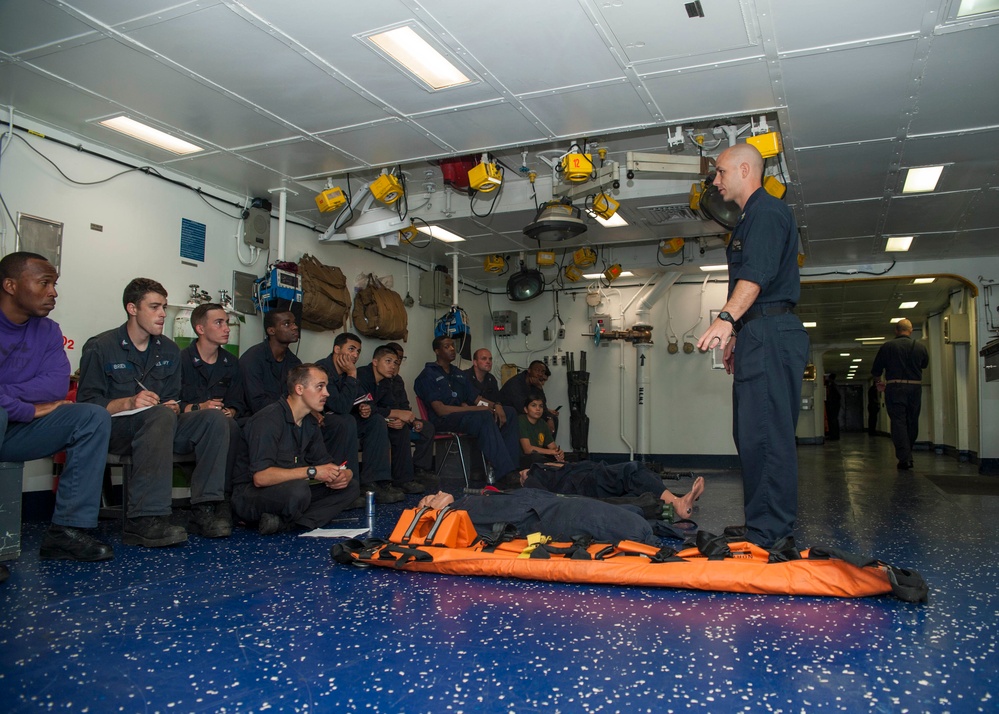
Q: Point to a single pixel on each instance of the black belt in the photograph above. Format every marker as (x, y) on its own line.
(763, 311)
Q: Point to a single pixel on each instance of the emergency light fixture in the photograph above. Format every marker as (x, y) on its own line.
(386, 188)
(485, 176)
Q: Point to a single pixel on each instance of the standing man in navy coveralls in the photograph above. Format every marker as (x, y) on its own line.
(902, 361)
(763, 288)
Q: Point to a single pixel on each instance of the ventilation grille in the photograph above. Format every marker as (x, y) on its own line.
(663, 215)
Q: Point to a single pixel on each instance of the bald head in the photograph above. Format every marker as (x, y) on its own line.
(738, 173)
(903, 327)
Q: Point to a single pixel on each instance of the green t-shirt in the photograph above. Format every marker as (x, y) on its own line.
(537, 434)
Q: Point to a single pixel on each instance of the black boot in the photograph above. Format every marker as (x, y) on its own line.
(206, 523)
(65, 543)
(152, 532)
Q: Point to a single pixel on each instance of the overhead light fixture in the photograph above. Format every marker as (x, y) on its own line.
(525, 284)
(844, 354)
(908, 305)
(809, 324)
(923, 281)
(896, 319)
(615, 273)
(921, 179)
(485, 176)
(379, 222)
(859, 359)
(584, 257)
(149, 135)
(714, 268)
(577, 167)
(441, 234)
(410, 50)
(868, 339)
(615, 221)
(976, 7)
(556, 221)
(672, 245)
(898, 244)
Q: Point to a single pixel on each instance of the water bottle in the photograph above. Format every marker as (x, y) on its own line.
(370, 507)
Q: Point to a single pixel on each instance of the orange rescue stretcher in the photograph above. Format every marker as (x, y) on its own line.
(445, 541)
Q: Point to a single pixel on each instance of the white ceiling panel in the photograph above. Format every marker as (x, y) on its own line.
(386, 143)
(639, 27)
(713, 92)
(36, 95)
(300, 157)
(328, 31)
(983, 213)
(849, 95)
(155, 90)
(842, 220)
(568, 50)
(478, 128)
(804, 24)
(142, 12)
(226, 49)
(845, 171)
(254, 180)
(951, 93)
(978, 242)
(843, 251)
(29, 24)
(581, 112)
(926, 212)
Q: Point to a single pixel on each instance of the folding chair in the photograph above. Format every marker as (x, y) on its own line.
(453, 439)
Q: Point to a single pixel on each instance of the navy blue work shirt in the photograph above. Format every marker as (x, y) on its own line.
(764, 250)
(112, 368)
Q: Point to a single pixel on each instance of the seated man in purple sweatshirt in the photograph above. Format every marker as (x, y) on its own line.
(35, 418)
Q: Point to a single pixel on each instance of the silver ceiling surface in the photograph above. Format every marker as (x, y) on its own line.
(286, 94)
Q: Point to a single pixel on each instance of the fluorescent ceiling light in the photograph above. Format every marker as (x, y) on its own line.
(922, 179)
(714, 268)
(858, 359)
(441, 234)
(898, 244)
(415, 54)
(868, 339)
(142, 132)
(896, 319)
(844, 354)
(923, 281)
(976, 7)
(908, 305)
(615, 221)
(809, 324)
(594, 276)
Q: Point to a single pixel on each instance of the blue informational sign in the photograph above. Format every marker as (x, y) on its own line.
(192, 240)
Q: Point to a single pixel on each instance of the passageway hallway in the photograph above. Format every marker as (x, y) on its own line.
(253, 623)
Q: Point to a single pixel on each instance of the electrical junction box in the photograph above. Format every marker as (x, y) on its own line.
(504, 323)
(956, 328)
(600, 322)
(436, 289)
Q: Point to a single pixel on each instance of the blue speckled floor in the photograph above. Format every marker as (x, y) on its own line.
(256, 624)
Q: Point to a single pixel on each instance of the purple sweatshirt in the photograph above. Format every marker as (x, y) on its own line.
(34, 368)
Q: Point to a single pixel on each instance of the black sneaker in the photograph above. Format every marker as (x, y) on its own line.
(359, 502)
(205, 523)
(386, 492)
(271, 523)
(152, 532)
(410, 487)
(65, 543)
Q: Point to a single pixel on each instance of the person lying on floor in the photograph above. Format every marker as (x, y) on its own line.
(530, 510)
(600, 480)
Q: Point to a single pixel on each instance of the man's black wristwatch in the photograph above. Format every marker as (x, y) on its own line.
(727, 317)
(311, 471)
(195, 407)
